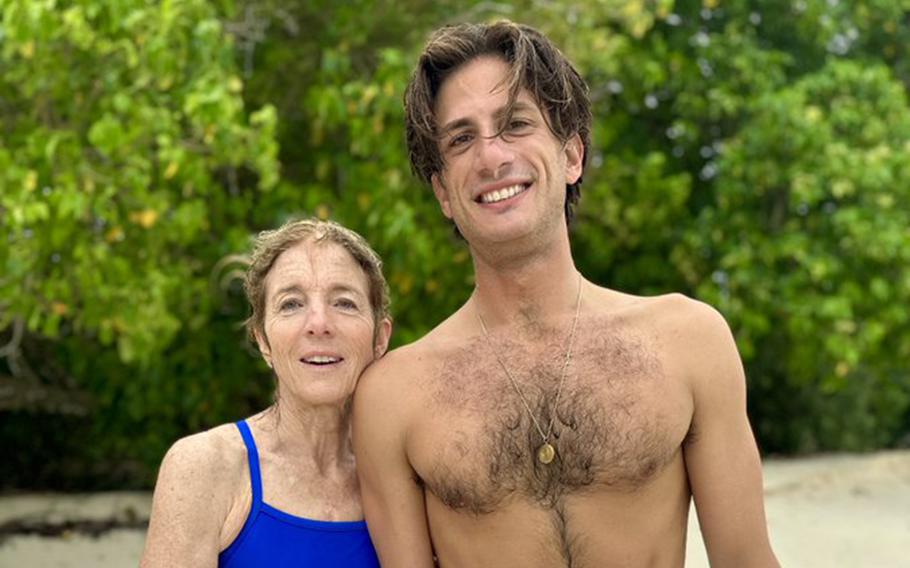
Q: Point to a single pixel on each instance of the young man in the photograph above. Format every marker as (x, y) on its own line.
(548, 422)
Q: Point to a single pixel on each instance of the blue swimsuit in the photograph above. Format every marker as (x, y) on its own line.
(272, 538)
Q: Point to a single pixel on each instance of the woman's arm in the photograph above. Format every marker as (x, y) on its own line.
(196, 485)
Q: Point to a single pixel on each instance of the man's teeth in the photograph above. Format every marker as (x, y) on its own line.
(501, 194)
(322, 359)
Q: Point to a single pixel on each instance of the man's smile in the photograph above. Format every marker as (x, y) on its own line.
(497, 195)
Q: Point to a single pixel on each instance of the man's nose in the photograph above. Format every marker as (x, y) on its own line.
(494, 154)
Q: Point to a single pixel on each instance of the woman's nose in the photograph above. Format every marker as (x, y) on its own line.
(318, 321)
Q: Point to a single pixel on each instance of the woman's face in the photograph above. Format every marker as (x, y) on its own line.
(319, 323)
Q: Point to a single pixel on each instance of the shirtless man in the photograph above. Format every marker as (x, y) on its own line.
(549, 421)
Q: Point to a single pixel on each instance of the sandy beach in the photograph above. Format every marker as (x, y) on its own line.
(837, 511)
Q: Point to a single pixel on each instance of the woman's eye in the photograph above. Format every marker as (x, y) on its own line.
(346, 303)
(287, 305)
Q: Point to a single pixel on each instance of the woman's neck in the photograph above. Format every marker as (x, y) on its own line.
(317, 437)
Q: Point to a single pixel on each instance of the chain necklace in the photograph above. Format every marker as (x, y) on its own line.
(545, 452)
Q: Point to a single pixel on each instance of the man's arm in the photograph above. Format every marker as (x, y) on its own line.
(722, 459)
(189, 506)
(393, 502)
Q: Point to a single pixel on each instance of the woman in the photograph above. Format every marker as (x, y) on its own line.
(280, 488)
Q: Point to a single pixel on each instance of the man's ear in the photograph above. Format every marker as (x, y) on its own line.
(442, 196)
(264, 347)
(383, 334)
(575, 153)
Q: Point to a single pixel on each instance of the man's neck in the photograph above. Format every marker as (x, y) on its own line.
(528, 287)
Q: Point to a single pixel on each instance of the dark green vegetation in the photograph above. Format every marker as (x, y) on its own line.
(755, 155)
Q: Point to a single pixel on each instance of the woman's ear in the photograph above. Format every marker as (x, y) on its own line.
(383, 334)
(263, 343)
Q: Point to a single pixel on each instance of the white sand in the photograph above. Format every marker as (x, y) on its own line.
(840, 511)
(120, 547)
(834, 511)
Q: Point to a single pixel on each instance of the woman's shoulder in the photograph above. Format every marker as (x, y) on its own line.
(211, 460)
(201, 480)
(217, 452)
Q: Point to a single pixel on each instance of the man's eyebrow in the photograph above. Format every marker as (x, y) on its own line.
(499, 114)
(518, 106)
(456, 125)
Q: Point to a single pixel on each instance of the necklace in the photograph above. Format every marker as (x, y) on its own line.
(545, 452)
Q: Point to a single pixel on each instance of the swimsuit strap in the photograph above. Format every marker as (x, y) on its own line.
(253, 459)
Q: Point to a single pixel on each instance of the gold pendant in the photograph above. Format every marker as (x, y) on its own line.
(546, 453)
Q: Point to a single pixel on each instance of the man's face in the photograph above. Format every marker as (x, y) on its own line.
(499, 188)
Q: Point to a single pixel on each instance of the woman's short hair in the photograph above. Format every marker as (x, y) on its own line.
(268, 246)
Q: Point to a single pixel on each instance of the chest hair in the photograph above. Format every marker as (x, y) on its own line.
(609, 429)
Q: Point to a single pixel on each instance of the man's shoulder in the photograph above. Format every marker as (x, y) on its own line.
(427, 351)
(663, 310)
(403, 371)
(392, 378)
(402, 361)
(685, 313)
(683, 325)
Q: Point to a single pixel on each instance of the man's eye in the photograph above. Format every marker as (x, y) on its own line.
(518, 126)
(459, 140)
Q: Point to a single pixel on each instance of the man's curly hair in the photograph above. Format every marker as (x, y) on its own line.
(536, 65)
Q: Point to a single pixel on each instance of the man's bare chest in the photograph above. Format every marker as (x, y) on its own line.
(618, 419)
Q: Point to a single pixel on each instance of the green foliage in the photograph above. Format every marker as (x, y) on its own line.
(808, 237)
(113, 160)
(127, 162)
(749, 154)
